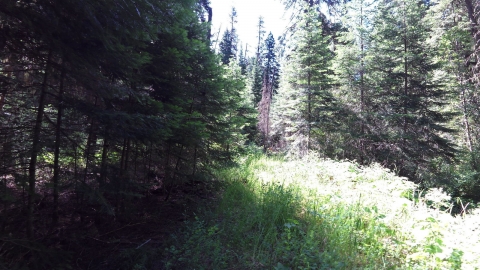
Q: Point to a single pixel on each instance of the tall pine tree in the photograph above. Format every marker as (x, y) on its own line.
(270, 81)
(305, 104)
(409, 124)
(228, 45)
(351, 70)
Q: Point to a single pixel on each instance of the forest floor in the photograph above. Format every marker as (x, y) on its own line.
(91, 238)
(264, 213)
(318, 213)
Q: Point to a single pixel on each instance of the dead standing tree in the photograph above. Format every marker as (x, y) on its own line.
(264, 111)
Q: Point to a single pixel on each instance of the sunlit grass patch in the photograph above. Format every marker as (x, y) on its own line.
(324, 214)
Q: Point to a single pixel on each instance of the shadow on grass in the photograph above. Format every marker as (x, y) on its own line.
(273, 226)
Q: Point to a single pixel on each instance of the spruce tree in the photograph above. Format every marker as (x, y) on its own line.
(228, 45)
(96, 83)
(257, 69)
(454, 47)
(271, 67)
(256, 75)
(352, 67)
(243, 60)
(305, 104)
(409, 123)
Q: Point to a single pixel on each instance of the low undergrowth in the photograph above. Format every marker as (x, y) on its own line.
(323, 214)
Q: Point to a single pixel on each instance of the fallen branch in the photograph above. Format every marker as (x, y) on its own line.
(143, 243)
(129, 225)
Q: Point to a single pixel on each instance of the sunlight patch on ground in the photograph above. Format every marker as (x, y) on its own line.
(418, 219)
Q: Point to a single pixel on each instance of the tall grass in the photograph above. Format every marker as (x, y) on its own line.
(321, 214)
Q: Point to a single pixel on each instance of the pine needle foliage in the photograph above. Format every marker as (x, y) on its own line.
(410, 126)
(102, 100)
(304, 106)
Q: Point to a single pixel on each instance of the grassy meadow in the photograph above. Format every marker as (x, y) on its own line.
(272, 213)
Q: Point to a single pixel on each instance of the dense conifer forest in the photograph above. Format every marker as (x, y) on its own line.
(131, 135)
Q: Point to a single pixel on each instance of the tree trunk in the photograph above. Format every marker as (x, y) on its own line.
(174, 174)
(194, 161)
(260, 35)
(309, 110)
(462, 82)
(405, 78)
(56, 167)
(473, 18)
(466, 122)
(103, 166)
(2, 99)
(91, 142)
(362, 89)
(127, 154)
(264, 111)
(122, 157)
(5, 206)
(36, 148)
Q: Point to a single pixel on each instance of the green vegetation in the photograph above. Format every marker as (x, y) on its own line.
(115, 117)
(323, 214)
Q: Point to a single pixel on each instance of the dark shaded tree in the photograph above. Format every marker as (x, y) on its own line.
(104, 100)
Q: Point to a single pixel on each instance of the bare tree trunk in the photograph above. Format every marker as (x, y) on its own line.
(5, 206)
(362, 89)
(127, 154)
(166, 167)
(91, 142)
(216, 41)
(466, 122)
(194, 161)
(174, 174)
(122, 157)
(103, 166)
(260, 36)
(75, 171)
(148, 154)
(264, 112)
(56, 167)
(123, 175)
(405, 78)
(36, 148)
(135, 159)
(2, 99)
(309, 110)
